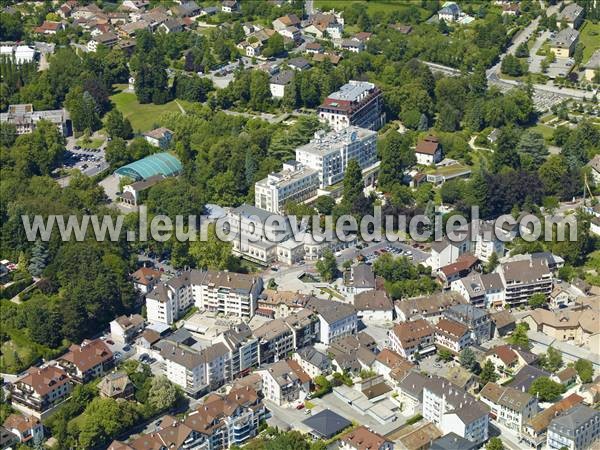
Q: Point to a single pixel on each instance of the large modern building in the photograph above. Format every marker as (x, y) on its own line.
(330, 153)
(524, 278)
(356, 103)
(25, 119)
(293, 183)
(221, 292)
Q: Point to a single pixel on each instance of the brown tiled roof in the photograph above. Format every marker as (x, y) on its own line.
(540, 421)
(48, 26)
(373, 301)
(392, 359)
(409, 332)
(113, 384)
(566, 374)
(464, 262)
(88, 355)
(588, 320)
(151, 336)
(44, 380)
(20, 422)
(146, 275)
(502, 318)
(301, 374)
(158, 133)
(428, 146)
(505, 353)
(132, 321)
(289, 20)
(451, 328)
(492, 392)
(363, 439)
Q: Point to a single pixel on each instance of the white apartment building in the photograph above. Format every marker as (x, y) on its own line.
(196, 371)
(293, 183)
(336, 319)
(509, 406)
(482, 290)
(330, 153)
(222, 292)
(453, 410)
(576, 429)
(280, 384)
(409, 338)
(524, 278)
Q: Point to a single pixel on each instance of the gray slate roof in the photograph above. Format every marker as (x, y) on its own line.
(327, 423)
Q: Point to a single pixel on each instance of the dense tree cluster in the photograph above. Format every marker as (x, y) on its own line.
(402, 278)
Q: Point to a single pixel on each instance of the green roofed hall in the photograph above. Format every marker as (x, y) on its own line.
(164, 164)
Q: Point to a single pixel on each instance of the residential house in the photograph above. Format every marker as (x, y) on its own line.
(509, 407)
(454, 410)
(352, 45)
(28, 429)
(313, 48)
(457, 270)
(281, 303)
(291, 34)
(563, 45)
(481, 290)
(279, 82)
(410, 390)
(186, 9)
(535, 429)
(312, 361)
(281, 384)
(289, 20)
(337, 319)
(362, 438)
(450, 441)
(559, 298)
(572, 15)
(357, 103)
(321, 24)
(108, 39)
(452, 335)
(170, 26)
(477, 320)
(298, 64)
(567, 377)
(135, 5)
(352, 353)
(511, 9)
(49, 28)
(402, 28)
(125, 329)
(576, 429)
(391, 365)
(116, 385)
(159, 137)
(40, 389)
(134, 194)
(522, 279)
(230, 6)
(576, 325)
(374, 306)
(428, 151)
(525, 377)
(503, 323)
(145, 279)
(430, 307)
(360, 278)
(507, 359)
(87, 361)
(410, 338)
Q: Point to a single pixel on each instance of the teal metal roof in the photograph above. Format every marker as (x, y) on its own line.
(157, 164)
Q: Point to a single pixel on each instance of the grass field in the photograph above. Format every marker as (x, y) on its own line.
(544, 130)
(142, 117)
(93, 143)
(589, 36)
(373, 6)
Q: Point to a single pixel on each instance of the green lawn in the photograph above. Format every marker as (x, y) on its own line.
(142, 117)
(373, 6)
(544, 130)
(589, 36)
(93, 143)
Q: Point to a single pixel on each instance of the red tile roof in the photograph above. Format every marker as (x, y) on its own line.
(88, 355)
(428, 146)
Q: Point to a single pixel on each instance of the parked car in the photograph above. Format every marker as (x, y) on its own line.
(300, 406)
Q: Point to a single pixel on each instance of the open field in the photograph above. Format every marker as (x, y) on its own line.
(544, 130)
(142, 117)
(589, 36)
(383, 6)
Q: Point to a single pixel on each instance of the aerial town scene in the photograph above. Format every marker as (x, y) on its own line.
(300, 224)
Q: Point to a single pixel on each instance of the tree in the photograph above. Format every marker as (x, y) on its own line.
(275, 46)
(506, 152)
(213, 253)
(324, 204)
(545, 389)
(488, 373)
(445, 355)
(494, 443)
(492, 263)
(327, 266)
(522, 50)
(117, 154)
(537, 300)
(162, 394)
(39, 258)
(585, 370)
(395, 155)
(511, 66)
(552, 360)
(117, 126)
(578, 55)
(532, 144)
(468, 359)
(353, 184)
(448, 118)
(519, 336)
(83, 109)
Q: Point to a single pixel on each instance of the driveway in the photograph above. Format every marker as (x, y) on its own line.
(535, 61)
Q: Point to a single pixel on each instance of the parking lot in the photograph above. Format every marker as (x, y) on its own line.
(89, 161)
